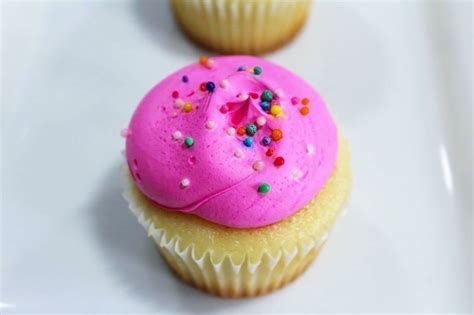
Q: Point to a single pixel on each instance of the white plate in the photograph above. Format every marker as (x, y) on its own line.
(396, 75)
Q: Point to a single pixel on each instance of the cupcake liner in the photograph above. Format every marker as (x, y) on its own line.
(223, 276)
(241, 26)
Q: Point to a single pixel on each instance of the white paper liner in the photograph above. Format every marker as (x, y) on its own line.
(243, 26)
(225, 277)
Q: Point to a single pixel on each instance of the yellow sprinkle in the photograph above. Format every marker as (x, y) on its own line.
(187, 107)
(250, 70)
(275, 110)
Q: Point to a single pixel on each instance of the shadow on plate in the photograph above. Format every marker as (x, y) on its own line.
(157, 18)
(135, 259)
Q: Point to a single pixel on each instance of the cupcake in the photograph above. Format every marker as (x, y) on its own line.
(241, 26)
(237, 171)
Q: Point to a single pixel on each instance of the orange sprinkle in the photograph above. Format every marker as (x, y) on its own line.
(276, 134)
(304, 111)
(305, 101)
(203, 60)
(241, 131)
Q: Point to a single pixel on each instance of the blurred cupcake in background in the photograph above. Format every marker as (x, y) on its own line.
(241, 26)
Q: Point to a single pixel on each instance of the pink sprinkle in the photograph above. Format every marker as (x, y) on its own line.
(279, 92)
(125, 133)
(224, 109)
(295, 100)
(210, 63)
(253, 95)
(238, 153)
(224, 84)
(179, 103)
(258, 165)
(261, 121)
(243, 97)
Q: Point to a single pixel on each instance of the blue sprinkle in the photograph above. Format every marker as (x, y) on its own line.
(185, 79)
(210, 86)
(265, 106)
(248, 142)
(266, 140)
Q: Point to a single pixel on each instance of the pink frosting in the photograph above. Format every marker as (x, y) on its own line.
(217, 178)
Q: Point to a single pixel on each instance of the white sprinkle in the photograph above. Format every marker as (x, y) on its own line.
(210, 63)
(231, 131)
(258, 165)
(261, 121)
(179, 103)
(177, 135)
(174, 114)
(210, 124)
(185, 182)
(296, 173)
(309, 149)
(238, 153)
(243, 97)
(125, 133)
(224, 84)
(279, 92)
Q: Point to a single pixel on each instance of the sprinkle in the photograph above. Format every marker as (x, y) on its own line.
(179, 103)
(258, 165)
(210, 86)
(279, 161)
(125, 133)
(231, 131)
(251, 129)
(279, 92)
(202, 87)
(238, 153)
(224, 109)
(276, 110)
(174, 114)
(305, 101)
(265, 106)
(266, 140)
(203, 60)
(210, 124)
(264, 188)
(304, 111)
(241, 131)
(248, 142)
(269, 152)
(241, 68)
(267, 95)
(185, 182)
(188, 142)
(250, 70)
(177, 135)
(175, 94)
(187, 107)
(309, 149)
(185, 79)
(296, 173)
(243, 96)
(276, 134)
(224, 84)
(210, 63)
(257, 70)
(295, 100)
(253, 95)
(261, 121)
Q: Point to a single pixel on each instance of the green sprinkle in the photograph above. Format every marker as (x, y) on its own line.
(257, 70)
(188, 141)
(267, 96)
(251, 129)
(264, 188)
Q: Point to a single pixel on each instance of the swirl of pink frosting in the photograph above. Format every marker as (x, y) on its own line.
(218, 177)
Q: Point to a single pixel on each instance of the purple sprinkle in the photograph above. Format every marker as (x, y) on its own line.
(241, 68)
(185, 79)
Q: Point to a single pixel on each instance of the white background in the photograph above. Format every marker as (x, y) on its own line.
(396, 75)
